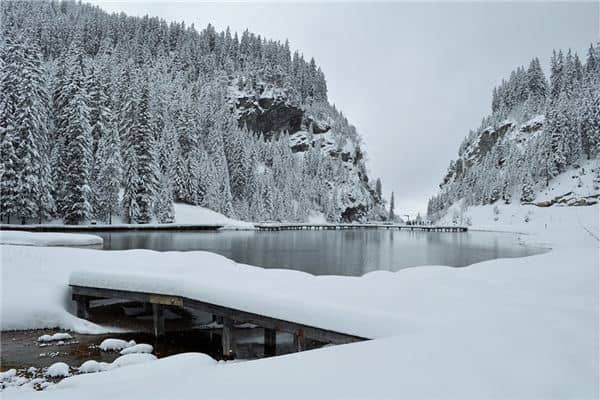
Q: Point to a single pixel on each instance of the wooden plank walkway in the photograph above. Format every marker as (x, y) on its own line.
(424, 228)
(82, 295)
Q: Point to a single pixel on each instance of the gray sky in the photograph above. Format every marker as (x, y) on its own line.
(412, 77)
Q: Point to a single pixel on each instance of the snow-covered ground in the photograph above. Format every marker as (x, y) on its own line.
(196, 215)
(48, 239)
(509, 328)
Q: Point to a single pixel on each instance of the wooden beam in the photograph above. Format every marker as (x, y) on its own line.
(228, 339)
(270, 342)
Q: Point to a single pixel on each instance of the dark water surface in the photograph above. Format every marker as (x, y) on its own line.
(348, 252)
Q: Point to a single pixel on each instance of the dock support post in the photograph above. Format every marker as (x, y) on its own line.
(270, 342)
(83, 306)
(299, 343)
(228, 339)
(158, 318)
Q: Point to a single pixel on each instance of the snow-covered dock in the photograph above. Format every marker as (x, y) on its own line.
(82, 295)
(298, 227)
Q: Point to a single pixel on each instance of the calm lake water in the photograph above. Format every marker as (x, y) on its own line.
(350, 252)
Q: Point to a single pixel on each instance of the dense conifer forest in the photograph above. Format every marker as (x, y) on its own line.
(106, 116)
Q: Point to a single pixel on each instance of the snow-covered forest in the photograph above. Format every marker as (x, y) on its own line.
(105, 116)
(537, 129)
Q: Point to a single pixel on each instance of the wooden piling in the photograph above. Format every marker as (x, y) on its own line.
(299, 342)
(228, 339)
(158, 317)
(82, 306)
(270, 342)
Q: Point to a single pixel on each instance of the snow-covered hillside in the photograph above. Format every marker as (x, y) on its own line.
(541, 143)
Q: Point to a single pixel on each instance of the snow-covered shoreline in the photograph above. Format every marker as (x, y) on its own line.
(506, 328)
(21, 238)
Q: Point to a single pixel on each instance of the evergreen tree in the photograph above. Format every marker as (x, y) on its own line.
(146, 167)
(9, 177)
(78, 142)
(108, 181)
(392, 216)
(378, 188)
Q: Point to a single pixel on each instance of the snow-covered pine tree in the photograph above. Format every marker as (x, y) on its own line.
(164, 210)
(537, 87)
(378, 188)
(9, 167)
(78, 140)
(108, 181)
(145, 157)
(34, 200)
(556, 74)
(8, 177)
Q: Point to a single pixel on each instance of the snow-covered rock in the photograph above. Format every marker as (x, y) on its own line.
(92, 366)
(58, 370)
(138, 348)
(115, 344)
(55, 337)
(7, 375)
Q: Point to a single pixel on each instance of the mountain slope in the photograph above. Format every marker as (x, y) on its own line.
(541, 143)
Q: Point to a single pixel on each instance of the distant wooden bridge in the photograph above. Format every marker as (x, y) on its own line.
(215, 227)
(83, 295)
(299, 227)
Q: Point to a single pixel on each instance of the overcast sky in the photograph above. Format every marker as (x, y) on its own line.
(412, 77)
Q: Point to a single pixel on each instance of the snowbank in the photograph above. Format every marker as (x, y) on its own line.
(508, 328)
(48, 239)
(196, 215)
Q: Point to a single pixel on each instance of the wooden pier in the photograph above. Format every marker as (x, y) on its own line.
(83, 295)
(312, 227)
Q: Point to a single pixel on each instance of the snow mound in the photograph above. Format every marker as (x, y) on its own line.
(115, 344)
(92, 366)
(138, 348)
(131, 359)
(48, 239)
(56, 337)
(58, 370)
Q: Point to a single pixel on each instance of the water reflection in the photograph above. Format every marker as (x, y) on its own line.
(349, 252)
